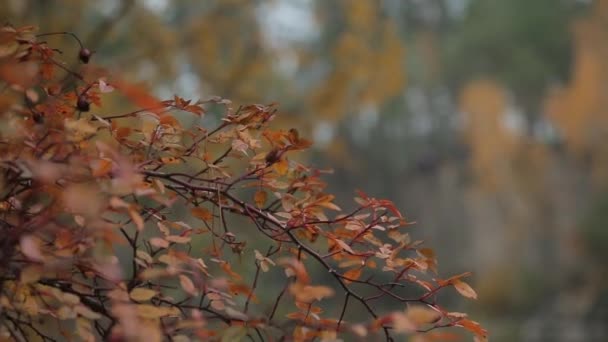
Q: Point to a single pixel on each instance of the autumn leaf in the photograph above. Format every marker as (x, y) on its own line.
(343, 245)
(30, 247)
(420, 315)
(281, 167)
(137, 219)
(480, 333)
(158, 242)
(352, 274)
(402, 323)
(81, 187)
(142, 294)
(178, 239)
(309, 293)
(187, 285)
(154, 312)
(201, 213)
(296, 268)
(260, 198)
(464, 289)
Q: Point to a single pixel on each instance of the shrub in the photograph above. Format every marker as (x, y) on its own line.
(133, 226)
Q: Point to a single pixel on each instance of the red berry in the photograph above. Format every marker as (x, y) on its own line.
(83, 104)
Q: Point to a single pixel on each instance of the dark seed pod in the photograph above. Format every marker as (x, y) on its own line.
(84, 55)
(83, 104)
(37, 117)
(273, 156)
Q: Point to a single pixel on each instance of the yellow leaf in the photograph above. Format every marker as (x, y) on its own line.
(260, 198)
(281, 167)
(153, 273)
(420, 315)
(153, 312)
(85, 312)
(141, 294)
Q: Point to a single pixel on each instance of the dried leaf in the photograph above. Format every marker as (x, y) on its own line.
(178, 239)
(158, 242)
(30, 247)
(309, 293)
(260, 198)
(141, 294)
(420, 315)
(343, 245)
(137, 219)
(464, 289)
(187, 284)
(154, 312)
(202, 213)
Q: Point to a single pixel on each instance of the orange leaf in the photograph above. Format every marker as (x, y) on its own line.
(281, 167)
(101, 167)
(202, 213)
(309, 293)
(260, 198)
(187, 284)
(464, 289)
(142, 294)
(137, 219)
(343, 245)
(295, 267)
(140, 96)
(353, 274)
(473, 327)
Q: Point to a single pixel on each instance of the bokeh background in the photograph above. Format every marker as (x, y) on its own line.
(485, 120)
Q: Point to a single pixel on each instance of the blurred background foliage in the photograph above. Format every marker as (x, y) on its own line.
(486, 120)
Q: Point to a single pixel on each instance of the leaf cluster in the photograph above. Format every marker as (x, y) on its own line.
(129, 226)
